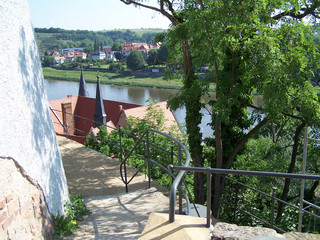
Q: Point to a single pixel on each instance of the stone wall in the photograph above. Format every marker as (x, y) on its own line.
(226, 231)
(23, 210)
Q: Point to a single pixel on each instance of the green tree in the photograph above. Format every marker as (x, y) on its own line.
(96, 45)
(163, 53)
(191, 92)
(48, 61)
(87, 45)
(118, 55)
(117, 46)
(135, 60)
(269, 52)
(152, 54)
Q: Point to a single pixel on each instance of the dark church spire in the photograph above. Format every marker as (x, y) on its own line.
(83, 87)
(99, 114)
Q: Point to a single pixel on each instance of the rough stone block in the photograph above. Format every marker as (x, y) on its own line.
(2, 204)
(9, 197)
(3, 215)
(25, 207)
(7, 222)
(3, 234)
(13, 206)
(36, 198)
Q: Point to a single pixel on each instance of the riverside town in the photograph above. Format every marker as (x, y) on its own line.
(208, 129)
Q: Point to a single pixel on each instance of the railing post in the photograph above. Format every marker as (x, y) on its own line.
(64, 116)
(85, 129)
(303, 181)
(149, 164)
(180, 192)
(209, 177)
(272, 205)
(172, 203)
(124, 164)
(172, 178)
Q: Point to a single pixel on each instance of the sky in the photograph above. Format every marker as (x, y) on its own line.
(93, 15)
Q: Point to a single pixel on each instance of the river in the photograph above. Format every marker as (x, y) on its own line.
(57, 89)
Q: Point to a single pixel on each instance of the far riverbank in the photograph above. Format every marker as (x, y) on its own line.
(119, 79)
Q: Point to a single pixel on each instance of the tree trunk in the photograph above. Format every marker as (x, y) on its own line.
(309, 194)
(193, 119)
(286, 186)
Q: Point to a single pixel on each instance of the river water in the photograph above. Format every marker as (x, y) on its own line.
(57, 89)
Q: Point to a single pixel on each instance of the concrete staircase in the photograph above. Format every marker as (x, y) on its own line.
(114, 213)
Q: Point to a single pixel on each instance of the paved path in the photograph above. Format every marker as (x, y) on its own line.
(115, 215)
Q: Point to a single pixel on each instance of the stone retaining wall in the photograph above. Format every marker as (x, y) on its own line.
(23, 210)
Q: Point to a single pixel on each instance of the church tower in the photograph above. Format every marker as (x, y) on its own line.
(83, 86)
(99, 114)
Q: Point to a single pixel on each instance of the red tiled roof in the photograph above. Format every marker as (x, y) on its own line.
(84, 108)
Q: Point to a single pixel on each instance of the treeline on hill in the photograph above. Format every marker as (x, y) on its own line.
(57, 38)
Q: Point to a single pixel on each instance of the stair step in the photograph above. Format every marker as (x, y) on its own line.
(120, 216)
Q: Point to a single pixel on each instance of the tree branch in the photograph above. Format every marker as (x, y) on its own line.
(157, 62)
(172, 17)
(311, 10)
(243, 141)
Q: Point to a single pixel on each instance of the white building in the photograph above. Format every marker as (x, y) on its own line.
(98, 55)
(27, 132)
(111, 56)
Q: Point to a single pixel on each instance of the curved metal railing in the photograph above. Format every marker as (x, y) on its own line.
(144, 138)
(178, 179)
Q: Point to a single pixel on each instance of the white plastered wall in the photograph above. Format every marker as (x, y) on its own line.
(26, 129)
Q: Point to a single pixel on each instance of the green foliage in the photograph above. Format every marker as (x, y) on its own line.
(48, 61)
(66, 224)
(135, 60)
(57, 38)
(109, 145)
(117, 46)
(271, 151)
(117, 66)
(152, 54)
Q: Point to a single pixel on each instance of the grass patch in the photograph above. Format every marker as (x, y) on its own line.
(113, 78)
(116, 79)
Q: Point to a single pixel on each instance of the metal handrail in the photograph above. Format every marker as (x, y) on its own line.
(55, 114)
(177, 179)
(210, 171)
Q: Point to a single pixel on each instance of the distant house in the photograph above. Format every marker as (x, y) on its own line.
(58, 60)
(66, 50)
(80, 54)
(111, 56)
(72, 56)
(144, 48)
(70, 59)
(54, 53)
(107, 49)
(99, 55)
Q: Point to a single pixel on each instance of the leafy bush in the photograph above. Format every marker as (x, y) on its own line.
(66, 224)
(160, 146)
